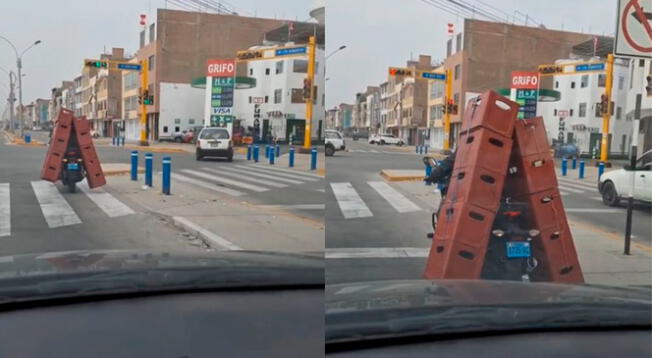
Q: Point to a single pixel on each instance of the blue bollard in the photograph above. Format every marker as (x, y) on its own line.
(564, 167)
(123, 141)
(425, 148)
(249, 152)
(256, 152)
(149, 158)
(28, 138)
(167, 170)
(313, 159)
(267, 150)
(574, 163)
(428, 171)
(271, 156)
(600, 170)
(581, 169)
(134, 165)
(278, 151)
(416, 149)
(291, 157)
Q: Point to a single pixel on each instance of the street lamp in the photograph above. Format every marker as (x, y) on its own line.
(336, 51)
(19, 65)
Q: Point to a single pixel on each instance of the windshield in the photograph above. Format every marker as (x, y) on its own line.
(333, 135)
(214, 134)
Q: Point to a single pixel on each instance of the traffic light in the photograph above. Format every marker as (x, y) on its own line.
(145, 98)
(96, 64)
(450, 107)
(648, 88)
(604, 104)
(306, 88)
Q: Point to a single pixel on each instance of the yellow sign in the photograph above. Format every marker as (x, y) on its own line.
(550, 70)
(400, 71)
(249, 55)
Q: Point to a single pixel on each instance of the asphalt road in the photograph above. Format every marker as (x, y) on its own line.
(378, 243)
(34, 220)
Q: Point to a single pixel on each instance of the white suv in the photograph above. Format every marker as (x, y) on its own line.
(615, 184)
(214, 142)
(389, 139)
(334, 142)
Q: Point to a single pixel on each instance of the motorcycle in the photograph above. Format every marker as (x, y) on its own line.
(509, 253)
(73, 169)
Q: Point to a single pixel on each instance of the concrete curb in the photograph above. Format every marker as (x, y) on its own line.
(396, 175)
(109, 173)
(208, 237)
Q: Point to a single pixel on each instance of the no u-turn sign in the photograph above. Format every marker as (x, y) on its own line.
(634, 28)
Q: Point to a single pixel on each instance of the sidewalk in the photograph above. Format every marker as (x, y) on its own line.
(301, 162)
(224, 223)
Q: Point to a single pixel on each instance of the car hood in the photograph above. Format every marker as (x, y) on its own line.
(378, 295)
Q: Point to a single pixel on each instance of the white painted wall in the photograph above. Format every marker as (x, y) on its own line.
(179, 105)
(571, 98)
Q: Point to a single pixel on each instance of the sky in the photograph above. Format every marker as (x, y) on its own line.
(382, 33)
(72, 30)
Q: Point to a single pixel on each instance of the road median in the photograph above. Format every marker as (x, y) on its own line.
(402, 174)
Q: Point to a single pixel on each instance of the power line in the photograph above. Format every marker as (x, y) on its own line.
(454, 12)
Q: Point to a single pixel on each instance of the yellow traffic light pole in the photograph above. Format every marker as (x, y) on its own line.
(447, 115)
(143, 107)
(606, 114)
(309, 101)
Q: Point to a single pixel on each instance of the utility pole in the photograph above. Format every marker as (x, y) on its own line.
(606, 113)
(632, 171)
(309, 101)
(143, 107)
(447, 114)
(11, 100)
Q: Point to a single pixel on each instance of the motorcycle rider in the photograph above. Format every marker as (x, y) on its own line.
(443, 169)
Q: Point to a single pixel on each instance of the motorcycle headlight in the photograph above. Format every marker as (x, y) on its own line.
(534, 232)
(498, 233)
(79, 160)
(64, 160)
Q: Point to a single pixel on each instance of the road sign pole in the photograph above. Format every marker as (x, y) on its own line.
(632, 163)
(447, 115)
(606, 116)
(143, 107)
(309, 102)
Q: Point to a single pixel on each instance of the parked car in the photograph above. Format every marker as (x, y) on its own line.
(334, 142)
(214, 142)
(373, 138)
(567, 150)
(389, 139)
(615, 185)
(190, 136)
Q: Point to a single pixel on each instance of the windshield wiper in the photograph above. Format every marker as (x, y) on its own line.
(372, 325)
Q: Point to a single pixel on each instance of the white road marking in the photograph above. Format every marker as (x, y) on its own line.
(590, 210)
(277, 173)
(565, 188)
(376, 252)
(259, 175)
(111, 206)
(578, 186)
(216, 178)
(563, 193)
(349, 201)
(200, 231)
(205, 185)
(245, 177)
(55, 208)
(296, 206)
(393, 197)
(283, 170)
(598, 198)
(579, 182)
(5, 210)
(321, 190)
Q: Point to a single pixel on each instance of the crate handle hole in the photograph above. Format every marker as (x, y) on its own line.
(440, 249)
(487, 179)
(469, 139)
(566, 270)
(476, 216)
(466, 255)
(554, 235)
(502, 105)
(496, 142)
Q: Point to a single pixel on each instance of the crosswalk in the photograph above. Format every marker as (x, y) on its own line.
(567, 185)
(239, 180)
(352, 206)
(55, 207)
(374, 151)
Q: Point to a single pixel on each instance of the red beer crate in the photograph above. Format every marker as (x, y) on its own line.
(484, 147)
(530, 174)
(83, 131)
(51, 170)
(556, 256)
(476, 185)
(530, 137)
(491, 111)
(460, 242)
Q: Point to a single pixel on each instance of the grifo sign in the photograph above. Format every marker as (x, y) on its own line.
(525, 80)
(222, 75)
(526, 85)
(220, 68)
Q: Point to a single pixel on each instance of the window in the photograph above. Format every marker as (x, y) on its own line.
(556, 84)
(191, 121)
(177, 129)
(582, 110)
(165, 129)
(333, 135)
(573, 84)
(584, 81)
(152, 33)
(250, 100)
(300, 66)
(554, 112)
(449, 47)
(278, 95)
(251, 72)
(267, 71)
(214, 133)
(436, 89)
(142, 38)
(266, 99)
(279, 67)
(602, 80)
(631, 76)
(177, 121)
(570, 113)
(641, 63)
(456, 98)
(619, 112)
(458, 42)
(150, 63)
(297, 95)
(457, 72)
(621, 82)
